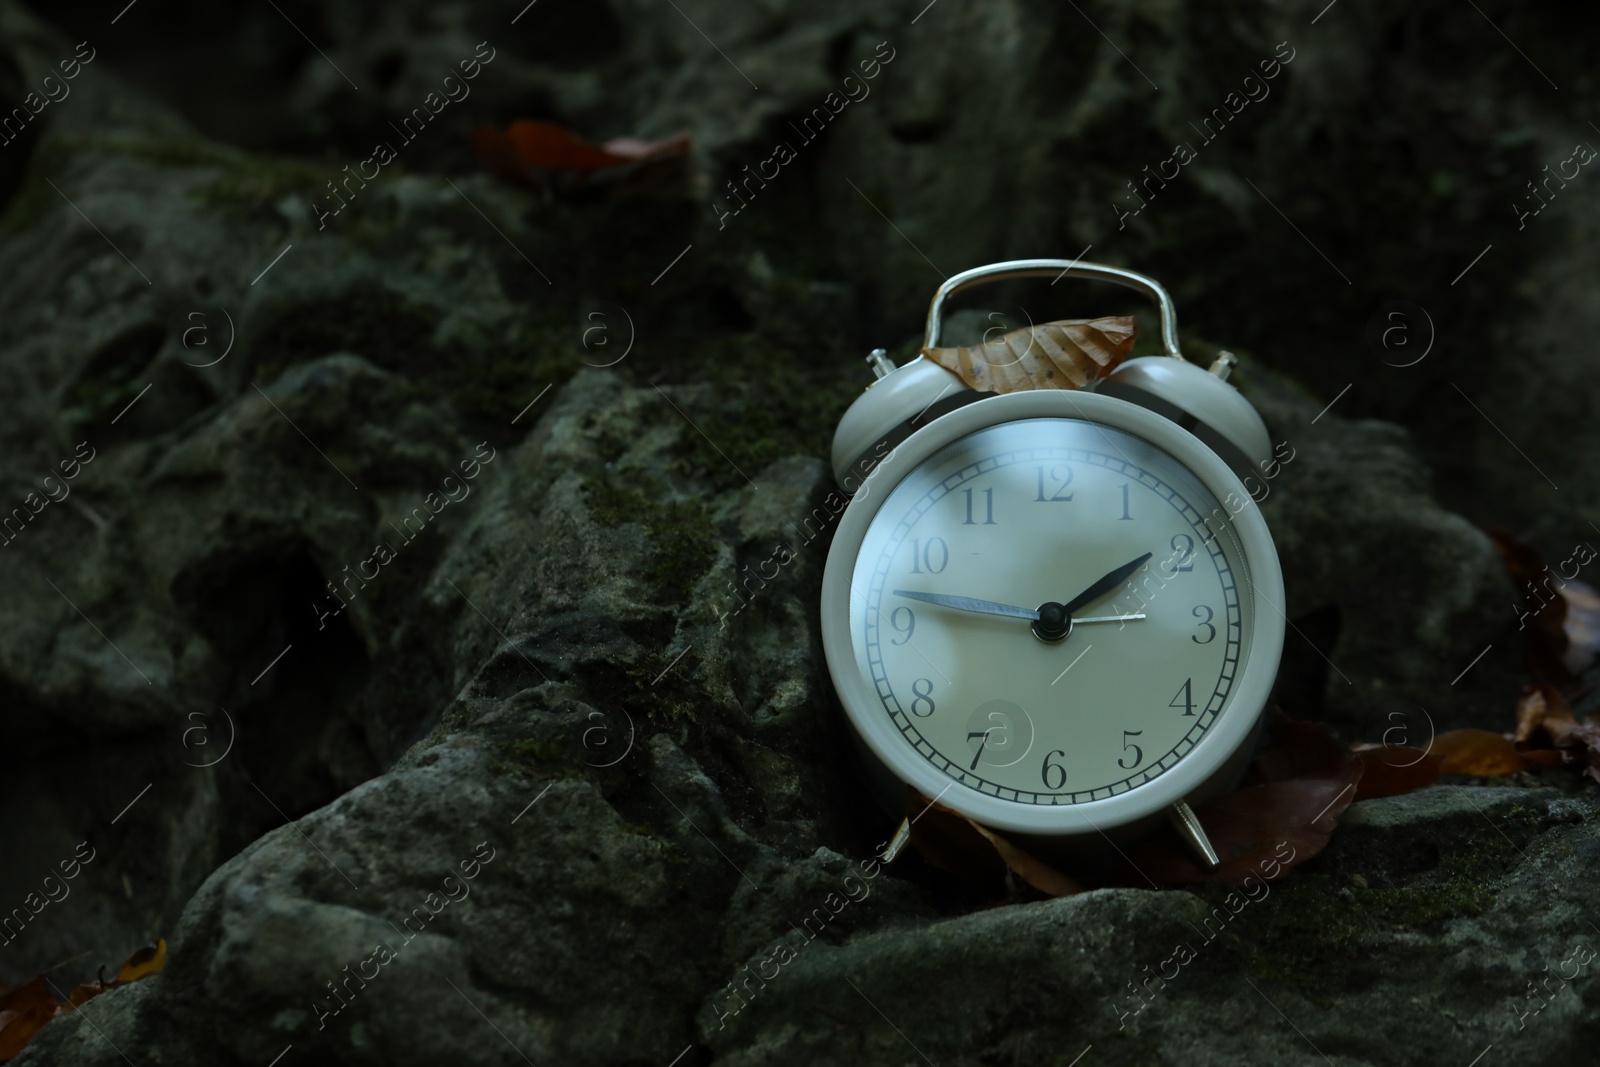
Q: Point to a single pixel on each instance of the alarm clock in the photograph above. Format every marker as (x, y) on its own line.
(1057, 612)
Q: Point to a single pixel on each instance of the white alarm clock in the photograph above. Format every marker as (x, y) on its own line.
(1058, 612)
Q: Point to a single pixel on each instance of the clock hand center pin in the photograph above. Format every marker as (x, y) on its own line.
(1054, 621)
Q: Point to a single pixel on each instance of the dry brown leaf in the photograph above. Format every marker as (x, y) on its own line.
(1480, 752)
(22, 1011)
(976, 854)
(948, 841)
(1389, 770)
(25, 1009)
(1541, 706)
(530, 152)
(1065, 354)
(1582, 625)
(147, 961)
(1037, 873)
(1561, 615)
(1544, 717)
(1295, 791)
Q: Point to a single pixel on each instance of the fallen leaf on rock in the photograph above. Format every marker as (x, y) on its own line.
(1065, 354)
(1561, 615)
(1543, 715)
(1281, 816)
(26, 1008)
(22, 1011)
(1538, 706)
(1389, 770)
(531, 153)
(1028, 867)
(948, 841)
(1481, 752)
(1582, 625)
(148, 960)
(976, 854)
(1292, 797)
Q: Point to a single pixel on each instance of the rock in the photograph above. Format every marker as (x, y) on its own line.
(1283, 973)
(1392, 599)
(588, 672)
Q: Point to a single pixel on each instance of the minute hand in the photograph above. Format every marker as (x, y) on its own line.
(967, 603)
(1104, 585)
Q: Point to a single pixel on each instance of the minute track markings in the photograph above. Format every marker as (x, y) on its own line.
(1209, 539)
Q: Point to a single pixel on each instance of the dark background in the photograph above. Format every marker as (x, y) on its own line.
(1383, 173)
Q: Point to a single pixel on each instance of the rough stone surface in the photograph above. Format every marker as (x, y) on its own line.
(569, 664)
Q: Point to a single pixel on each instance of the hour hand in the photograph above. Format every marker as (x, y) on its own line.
(1105, 585)
(967, 603)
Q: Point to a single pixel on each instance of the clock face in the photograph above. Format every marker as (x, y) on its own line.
(1022, 514)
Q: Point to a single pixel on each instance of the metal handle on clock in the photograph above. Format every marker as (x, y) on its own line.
(1029, 268)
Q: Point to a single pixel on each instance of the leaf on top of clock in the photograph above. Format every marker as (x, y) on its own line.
(28, 1007)
(978, 855)
(1281, 816)
(530, 152)
(1065, 354)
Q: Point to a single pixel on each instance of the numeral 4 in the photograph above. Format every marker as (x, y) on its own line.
(1185, 697)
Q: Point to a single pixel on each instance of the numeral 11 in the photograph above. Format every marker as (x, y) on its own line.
(988, 498)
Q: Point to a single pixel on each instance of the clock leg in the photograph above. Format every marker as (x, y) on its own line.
(1188, 827)
(902, 834)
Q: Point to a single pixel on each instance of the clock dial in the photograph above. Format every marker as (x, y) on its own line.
(1051, 513)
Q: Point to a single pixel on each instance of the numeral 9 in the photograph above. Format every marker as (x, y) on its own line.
(906, 627)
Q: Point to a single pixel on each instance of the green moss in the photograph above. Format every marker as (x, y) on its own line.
(1310, 934)
(377, 323)
(532, 748)
(95, 398)
(166, 150)
(492, 383)
(666, 697)
(540, 757)
(792, 411)
(487, 383)
(612, 503)
(682, 539)
(250, 188)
